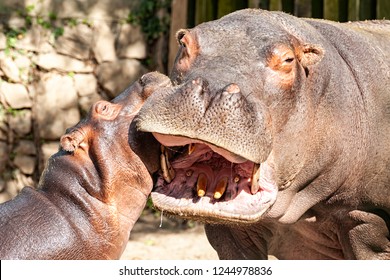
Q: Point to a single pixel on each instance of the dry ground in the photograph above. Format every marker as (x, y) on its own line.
(174, 240)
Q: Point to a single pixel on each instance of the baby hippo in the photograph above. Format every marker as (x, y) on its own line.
(92, 190)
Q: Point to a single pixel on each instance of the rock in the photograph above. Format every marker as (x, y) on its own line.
(50, 61)
(102, 9)
(3, 124)
(16, 22)
(131, 42)
(24, 66)
(25, 163)
(36, 39)
(9, 68)
(14, 186)
(3, 41)
(103, 43)
(86, 102)
(2, 187)
(49, 149)
(75, 42)
(4, 196)
(117, 76)
(86, 84)
(15, 95)
(20, 122)
(56, 104)
(3, 156)
(3, 132)
(26, 147)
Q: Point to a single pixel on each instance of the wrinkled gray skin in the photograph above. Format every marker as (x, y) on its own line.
(307, 99)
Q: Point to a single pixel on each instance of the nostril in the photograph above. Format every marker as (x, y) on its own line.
(71, 141)
(197, 81)
(67, 143)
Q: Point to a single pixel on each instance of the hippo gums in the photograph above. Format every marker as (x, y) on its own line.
(92, 191)
(276, 134)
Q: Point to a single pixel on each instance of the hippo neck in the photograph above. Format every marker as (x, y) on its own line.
(336, 133)
(74, 194)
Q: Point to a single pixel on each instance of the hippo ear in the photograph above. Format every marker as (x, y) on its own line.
(188, 50)
(310, 54)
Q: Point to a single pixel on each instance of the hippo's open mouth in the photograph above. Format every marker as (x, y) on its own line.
(214, 160)
(199, 179)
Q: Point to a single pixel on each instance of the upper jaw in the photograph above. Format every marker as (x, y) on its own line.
(225, 118)
(172, 140)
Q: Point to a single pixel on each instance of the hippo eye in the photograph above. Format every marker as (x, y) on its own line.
(102, 108)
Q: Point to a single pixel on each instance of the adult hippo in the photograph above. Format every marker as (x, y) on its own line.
(92, 191)
(285, 124)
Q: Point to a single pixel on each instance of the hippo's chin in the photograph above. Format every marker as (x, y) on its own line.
(199, 179)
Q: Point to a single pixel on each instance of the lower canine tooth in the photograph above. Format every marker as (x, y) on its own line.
(255, 179)
(201, 184)
(221, 188)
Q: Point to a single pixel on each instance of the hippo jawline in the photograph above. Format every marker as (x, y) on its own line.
(201, 181)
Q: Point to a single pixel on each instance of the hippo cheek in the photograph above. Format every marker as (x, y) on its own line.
(146, 147)
(211, 161)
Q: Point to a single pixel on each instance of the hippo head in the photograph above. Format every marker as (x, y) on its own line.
(107, 144)
(232, 126)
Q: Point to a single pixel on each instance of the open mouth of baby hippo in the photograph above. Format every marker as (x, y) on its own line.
(199, 180)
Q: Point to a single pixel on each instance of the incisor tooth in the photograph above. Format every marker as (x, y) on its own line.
(255, 178)
(201, 184)
(221, 188)
(191, 148)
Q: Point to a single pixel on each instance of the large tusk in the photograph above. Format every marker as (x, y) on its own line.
(255, 179)
(167, 169)
(164, 169)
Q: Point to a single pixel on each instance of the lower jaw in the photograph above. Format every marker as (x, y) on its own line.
(206, 214)
(244, 208)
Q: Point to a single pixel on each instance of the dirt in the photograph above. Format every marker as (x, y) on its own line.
(167, 239)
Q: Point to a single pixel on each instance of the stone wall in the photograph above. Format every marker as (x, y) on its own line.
(56, 59)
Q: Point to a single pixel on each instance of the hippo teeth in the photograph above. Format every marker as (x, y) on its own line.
(255, 178)
(168, 171)
(221, 187)
(191, 148)
(201, 185)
